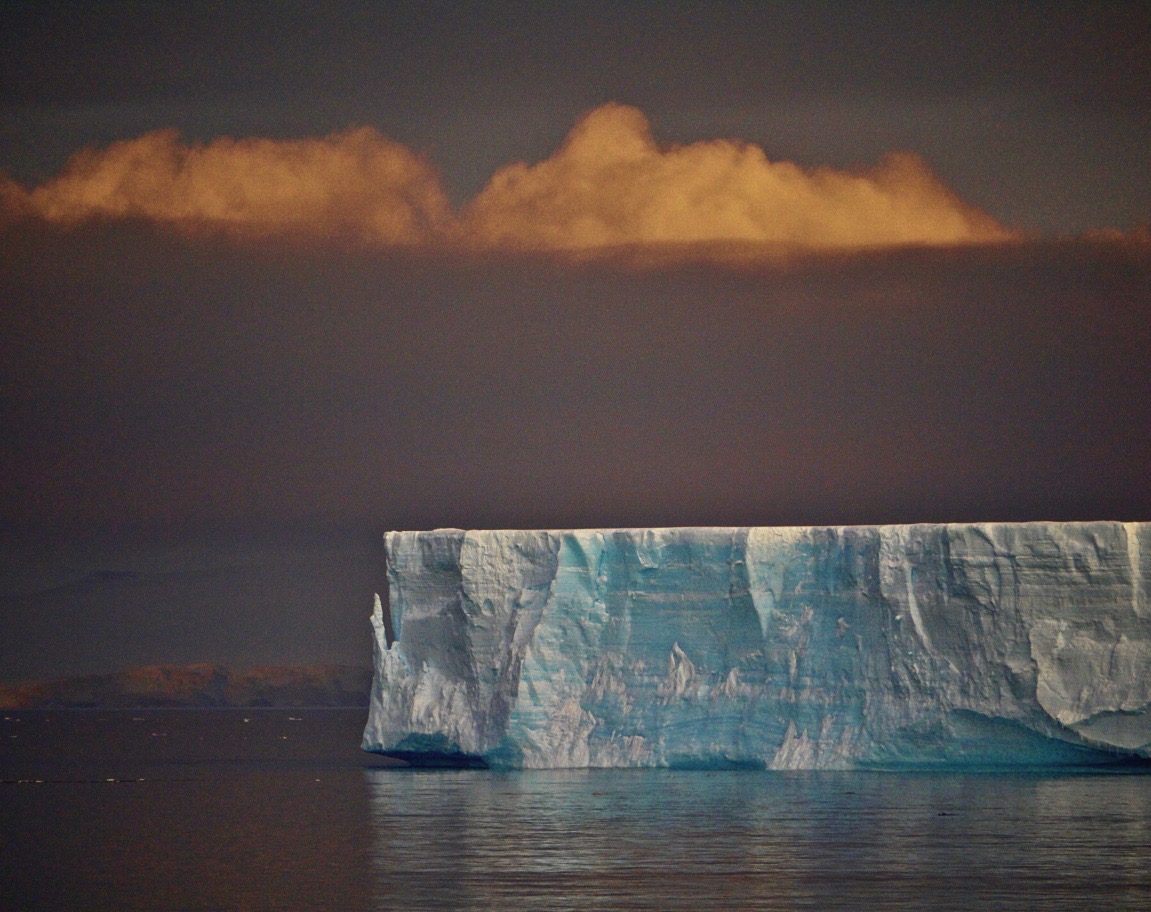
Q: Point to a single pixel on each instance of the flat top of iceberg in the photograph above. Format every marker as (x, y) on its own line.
(590, 530)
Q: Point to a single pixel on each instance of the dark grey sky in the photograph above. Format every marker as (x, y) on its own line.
(237, 423)
(159, 382)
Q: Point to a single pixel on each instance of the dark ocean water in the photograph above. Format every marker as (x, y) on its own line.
(202, 810)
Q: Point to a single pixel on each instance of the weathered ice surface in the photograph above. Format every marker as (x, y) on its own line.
(784, 648)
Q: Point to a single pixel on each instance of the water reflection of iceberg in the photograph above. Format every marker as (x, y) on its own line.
(615, 839)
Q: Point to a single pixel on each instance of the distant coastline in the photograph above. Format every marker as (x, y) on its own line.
(201, 684)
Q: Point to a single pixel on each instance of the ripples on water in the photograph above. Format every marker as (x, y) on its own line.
(747, 840)
(240, 822)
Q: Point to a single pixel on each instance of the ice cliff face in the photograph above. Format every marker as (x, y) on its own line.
(786, 648)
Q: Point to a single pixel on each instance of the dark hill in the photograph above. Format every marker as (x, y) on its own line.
(197, 685)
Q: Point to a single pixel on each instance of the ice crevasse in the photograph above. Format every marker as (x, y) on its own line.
(783, 648)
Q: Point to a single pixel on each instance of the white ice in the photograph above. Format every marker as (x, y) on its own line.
(806, 647)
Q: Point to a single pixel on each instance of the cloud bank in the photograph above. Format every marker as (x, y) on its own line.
(609, 186)
(356, 185)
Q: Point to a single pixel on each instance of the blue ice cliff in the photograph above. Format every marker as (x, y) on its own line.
(782, 648)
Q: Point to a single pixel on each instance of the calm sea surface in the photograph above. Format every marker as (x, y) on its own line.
(203, 810)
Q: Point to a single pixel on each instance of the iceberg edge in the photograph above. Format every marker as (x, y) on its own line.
(834, 647)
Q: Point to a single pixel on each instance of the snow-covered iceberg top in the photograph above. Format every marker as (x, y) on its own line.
(785, 648)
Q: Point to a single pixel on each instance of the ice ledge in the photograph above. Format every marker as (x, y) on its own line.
(798, 647)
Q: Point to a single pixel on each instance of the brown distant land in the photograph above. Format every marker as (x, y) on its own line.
(198, 685)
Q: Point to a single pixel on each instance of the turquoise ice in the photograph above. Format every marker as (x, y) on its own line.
(785, 648)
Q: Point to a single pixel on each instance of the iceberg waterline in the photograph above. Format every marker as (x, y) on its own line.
(783, 648)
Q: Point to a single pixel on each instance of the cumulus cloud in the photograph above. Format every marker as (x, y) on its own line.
(611, 185)
(357, 185)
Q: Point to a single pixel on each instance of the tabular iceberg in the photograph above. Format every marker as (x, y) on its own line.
(781, 648)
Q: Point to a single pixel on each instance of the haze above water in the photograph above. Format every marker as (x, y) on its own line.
(199, 810)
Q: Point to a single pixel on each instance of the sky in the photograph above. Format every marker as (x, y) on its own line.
(275, 278)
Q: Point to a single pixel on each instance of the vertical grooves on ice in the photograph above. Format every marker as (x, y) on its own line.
(913, 604)
(1132, 531)
(582, 690)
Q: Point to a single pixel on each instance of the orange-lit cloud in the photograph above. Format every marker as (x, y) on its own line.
(609, 187)
(357, 185)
